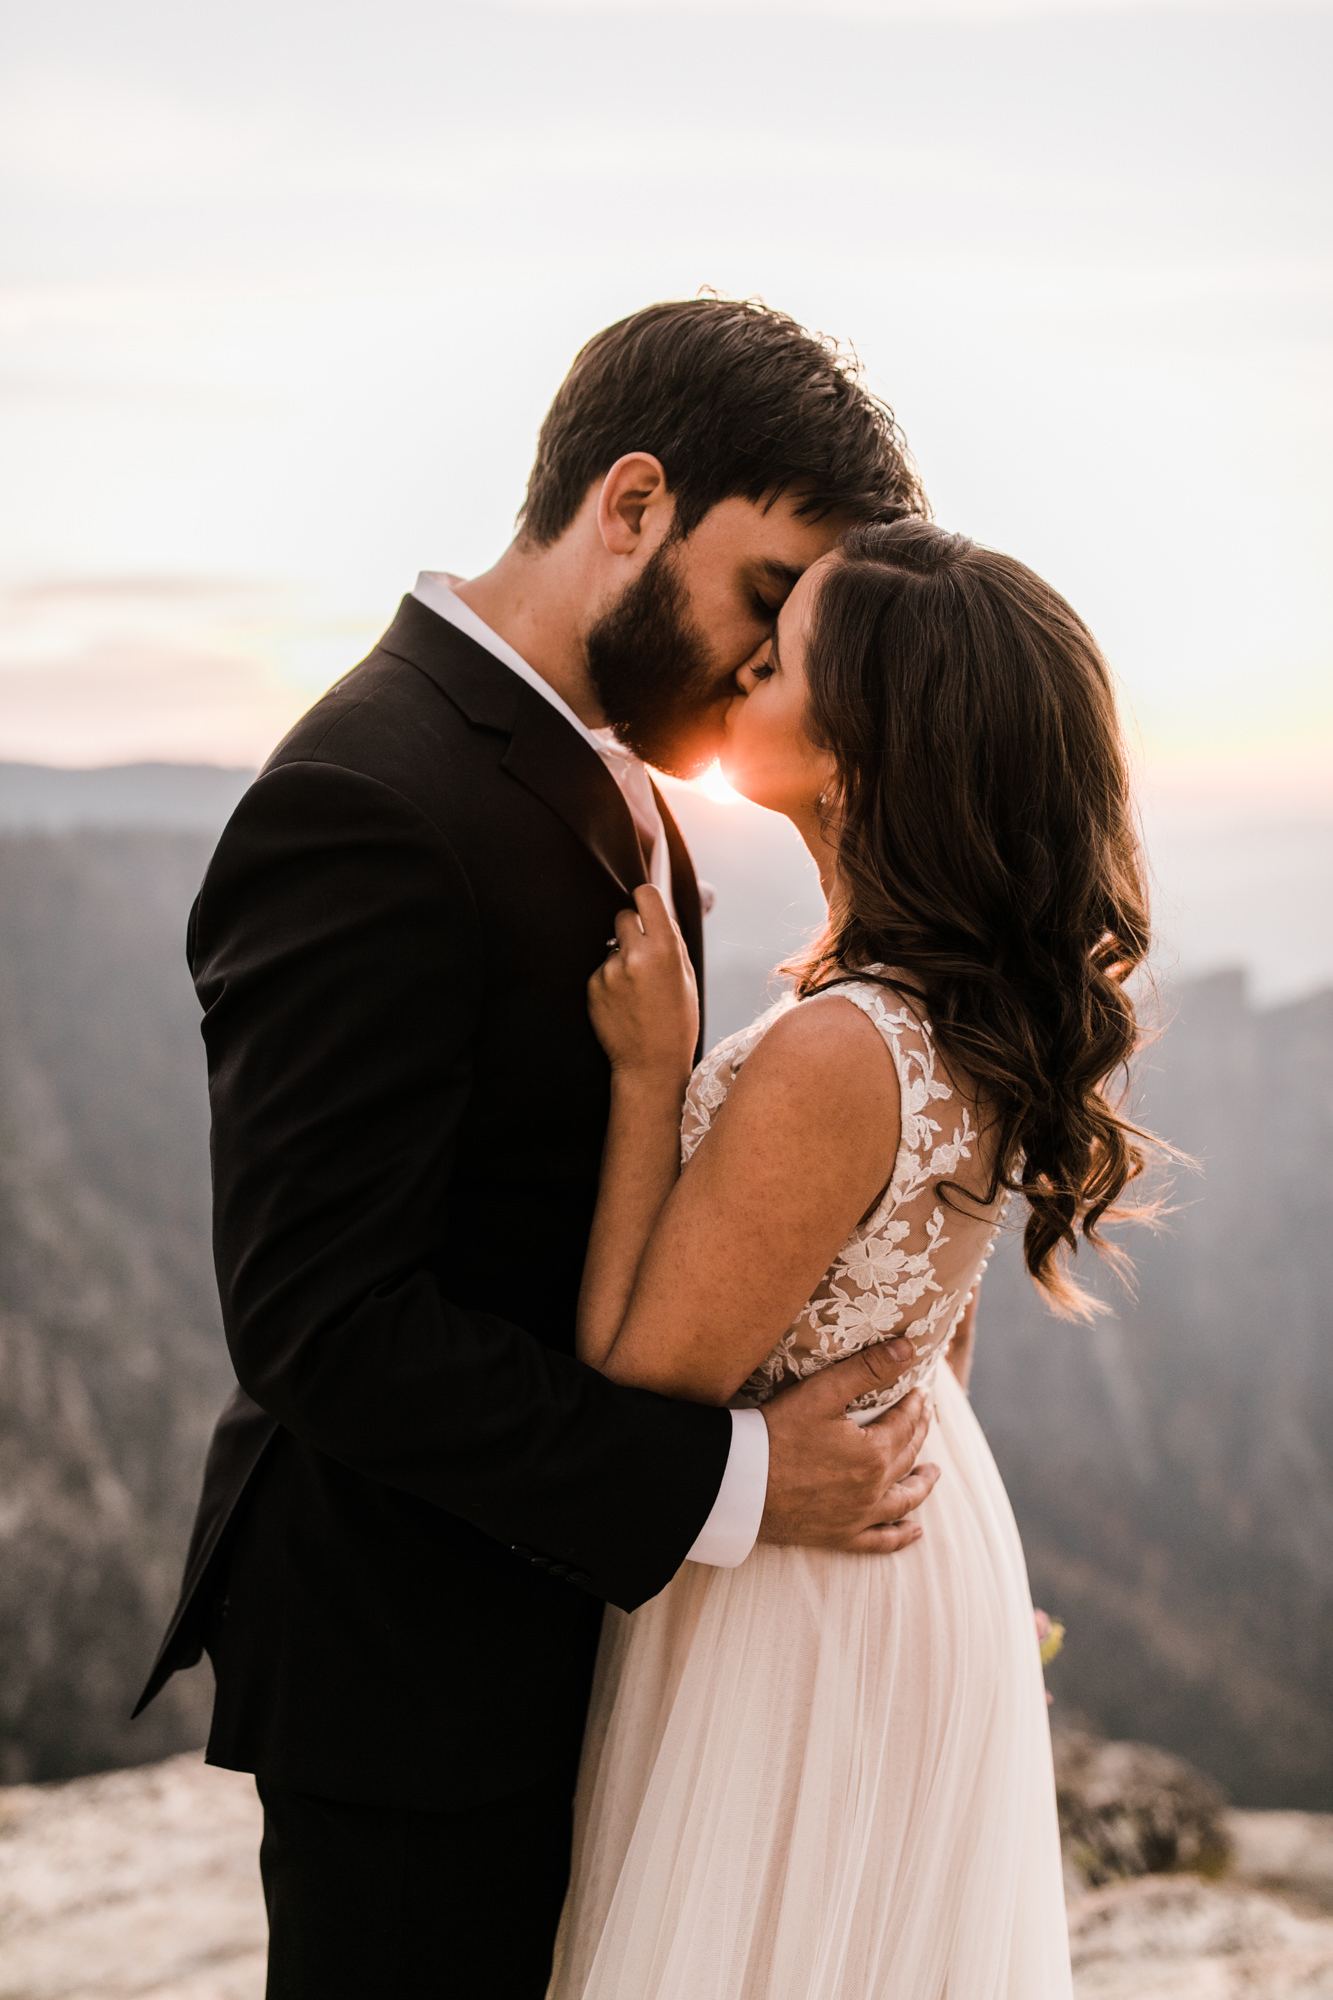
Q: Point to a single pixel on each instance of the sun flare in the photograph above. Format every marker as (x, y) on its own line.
(714, 786)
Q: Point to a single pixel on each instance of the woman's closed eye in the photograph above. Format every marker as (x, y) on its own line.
(761, 666)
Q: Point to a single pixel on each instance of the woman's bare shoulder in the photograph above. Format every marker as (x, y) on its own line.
(827, 1055)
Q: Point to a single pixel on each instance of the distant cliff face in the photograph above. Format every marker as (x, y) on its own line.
(111, 1358)
(1172, 1468)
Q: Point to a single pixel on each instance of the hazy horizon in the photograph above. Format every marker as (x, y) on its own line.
(1232, 888)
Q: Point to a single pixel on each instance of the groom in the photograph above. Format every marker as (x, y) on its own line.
(418, 1501)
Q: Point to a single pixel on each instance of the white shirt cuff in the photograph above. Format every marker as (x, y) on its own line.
(732, 1529)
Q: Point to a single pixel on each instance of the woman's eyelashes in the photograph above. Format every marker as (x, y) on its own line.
(762, 666)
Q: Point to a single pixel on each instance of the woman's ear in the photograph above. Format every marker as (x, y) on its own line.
(634, 508)
(827, 801)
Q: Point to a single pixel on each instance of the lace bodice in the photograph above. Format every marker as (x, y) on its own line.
(911, 1265)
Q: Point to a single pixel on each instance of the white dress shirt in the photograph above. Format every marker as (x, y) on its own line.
(731, 1530)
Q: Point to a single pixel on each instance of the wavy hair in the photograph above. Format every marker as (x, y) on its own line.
(988, 855)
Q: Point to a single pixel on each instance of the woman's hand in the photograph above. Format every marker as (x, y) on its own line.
(643, 1000)
(645, 1010)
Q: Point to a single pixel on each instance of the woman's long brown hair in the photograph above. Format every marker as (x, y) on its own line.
(987, 853)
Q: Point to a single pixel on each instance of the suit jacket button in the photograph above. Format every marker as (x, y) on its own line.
(579, 1576)
(517, 1549)
(557, 1569)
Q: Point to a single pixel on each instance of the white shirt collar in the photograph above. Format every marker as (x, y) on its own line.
(434, 588)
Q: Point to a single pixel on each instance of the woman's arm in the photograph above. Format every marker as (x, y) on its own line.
(646, 1012)
(804, 1145)
(801, 1150)
(963, 1345)
(689, 1282)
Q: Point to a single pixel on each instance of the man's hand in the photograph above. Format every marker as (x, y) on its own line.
(838, 1485)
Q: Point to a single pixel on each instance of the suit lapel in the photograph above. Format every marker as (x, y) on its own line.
(550, 759)
(566, 773)
(544, 755)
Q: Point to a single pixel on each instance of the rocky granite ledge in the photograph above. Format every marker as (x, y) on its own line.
(142, 1882)
(145, 1883)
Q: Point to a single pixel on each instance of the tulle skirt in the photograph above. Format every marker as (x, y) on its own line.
(827, 1777)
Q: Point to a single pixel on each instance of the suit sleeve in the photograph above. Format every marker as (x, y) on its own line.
(336, 951)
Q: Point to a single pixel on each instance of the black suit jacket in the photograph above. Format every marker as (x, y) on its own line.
(418, 1500)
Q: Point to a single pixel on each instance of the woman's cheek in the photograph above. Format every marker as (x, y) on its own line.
(751, 768)
(737, 758)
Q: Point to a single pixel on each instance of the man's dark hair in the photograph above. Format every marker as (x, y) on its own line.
(736, 400)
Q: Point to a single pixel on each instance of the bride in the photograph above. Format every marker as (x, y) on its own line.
(822, 1776)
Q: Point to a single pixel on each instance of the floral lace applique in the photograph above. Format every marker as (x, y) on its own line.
(911, 1248)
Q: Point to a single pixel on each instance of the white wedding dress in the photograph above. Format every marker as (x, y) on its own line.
(822, 1776)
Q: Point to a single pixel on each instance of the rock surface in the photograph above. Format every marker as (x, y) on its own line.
(1173, 1937)
(1290, 1853)
(146, 1883)
(1129, 1809)
(142, 1882)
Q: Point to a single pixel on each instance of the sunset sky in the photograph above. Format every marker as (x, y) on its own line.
(288, 286)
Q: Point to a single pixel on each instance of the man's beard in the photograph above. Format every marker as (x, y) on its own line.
(653, 672)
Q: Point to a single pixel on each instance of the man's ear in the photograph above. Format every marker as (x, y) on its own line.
(634, 507)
